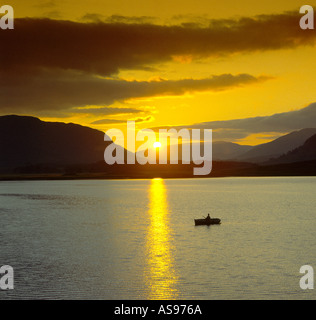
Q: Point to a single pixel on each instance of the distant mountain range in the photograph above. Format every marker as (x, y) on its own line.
(227, 151)
(277, 147)
(223, 150)
(306, 152)
(29, 145)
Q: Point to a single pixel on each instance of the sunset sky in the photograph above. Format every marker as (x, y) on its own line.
(226, 65)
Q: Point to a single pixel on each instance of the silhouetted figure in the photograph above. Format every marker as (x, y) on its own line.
(208, 217)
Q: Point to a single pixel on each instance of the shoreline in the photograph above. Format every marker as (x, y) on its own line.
(56, 177)
(118, 172)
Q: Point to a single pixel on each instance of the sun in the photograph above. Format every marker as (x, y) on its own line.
(157, 144)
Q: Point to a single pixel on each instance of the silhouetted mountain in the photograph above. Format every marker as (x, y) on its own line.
(34, 149)
(221, 150)
(227, 150)
(278, 147)
(306, 152)
(30, 141)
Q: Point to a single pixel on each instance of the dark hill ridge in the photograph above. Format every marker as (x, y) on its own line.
(306, 152)
(223, 150)
(28, 140)
(276, 148)
(31, 146)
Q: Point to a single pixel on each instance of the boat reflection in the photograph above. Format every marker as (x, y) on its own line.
(161, 276)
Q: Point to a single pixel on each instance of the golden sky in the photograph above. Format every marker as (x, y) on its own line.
(161, 63)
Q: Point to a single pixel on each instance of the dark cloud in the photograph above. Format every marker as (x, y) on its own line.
(114, 121)
(93, 17)
(99, 18)
(107, 111)
(60, 90)
(233, 130)
(105, 48)
(279, 122)
(54, 65)
(131, 20)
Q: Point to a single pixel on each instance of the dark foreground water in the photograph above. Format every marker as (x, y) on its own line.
(136, 239)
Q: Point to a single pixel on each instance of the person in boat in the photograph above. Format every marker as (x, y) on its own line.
(208, 217)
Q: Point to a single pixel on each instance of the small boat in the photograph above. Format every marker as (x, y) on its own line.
(207, 221)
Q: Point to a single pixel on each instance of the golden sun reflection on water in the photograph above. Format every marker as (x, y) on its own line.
(161, 276)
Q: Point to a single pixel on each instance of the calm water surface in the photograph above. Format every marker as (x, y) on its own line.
(136, 239)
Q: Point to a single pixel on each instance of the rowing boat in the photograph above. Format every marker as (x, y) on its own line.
(207, 221)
